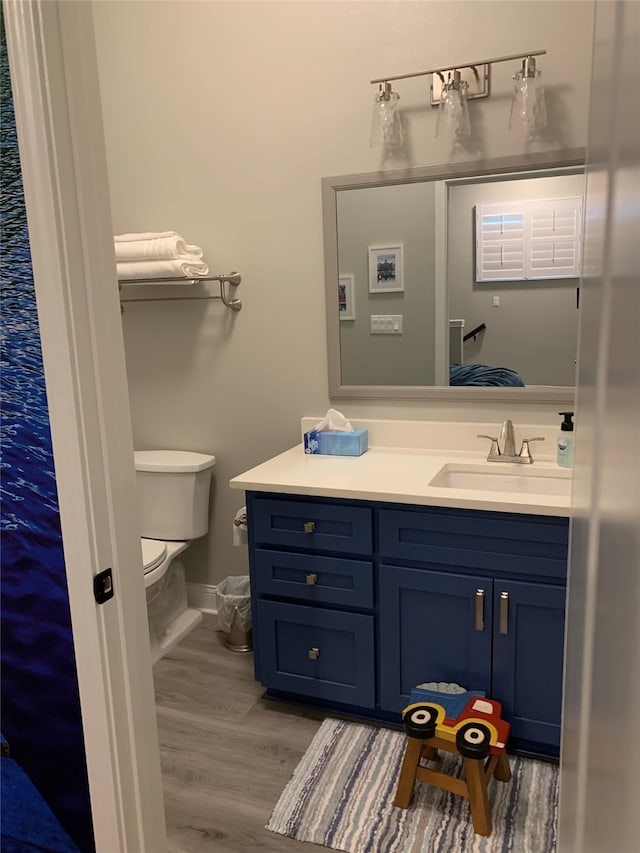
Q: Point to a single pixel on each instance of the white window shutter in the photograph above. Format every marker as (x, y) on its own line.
(528, 240)
(555, 238)
(499, 242)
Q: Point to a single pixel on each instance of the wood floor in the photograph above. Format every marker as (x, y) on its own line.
(226, 753)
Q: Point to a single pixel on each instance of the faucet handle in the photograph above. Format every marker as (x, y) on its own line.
(495, 449)
(525, 452)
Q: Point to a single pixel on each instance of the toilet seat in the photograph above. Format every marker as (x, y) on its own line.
(154, 551)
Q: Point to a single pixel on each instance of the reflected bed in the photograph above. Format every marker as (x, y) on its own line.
(483, 375)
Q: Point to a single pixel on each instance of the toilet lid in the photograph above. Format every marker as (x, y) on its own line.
(153, 553)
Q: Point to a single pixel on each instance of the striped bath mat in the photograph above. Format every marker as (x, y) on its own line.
(341, 796)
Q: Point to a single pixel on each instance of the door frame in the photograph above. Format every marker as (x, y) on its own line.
(59, 122)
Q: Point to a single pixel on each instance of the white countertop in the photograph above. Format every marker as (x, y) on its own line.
(394, 475)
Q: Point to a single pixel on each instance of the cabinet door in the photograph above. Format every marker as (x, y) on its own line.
(434, 626)
(313, 651)
(528, 648)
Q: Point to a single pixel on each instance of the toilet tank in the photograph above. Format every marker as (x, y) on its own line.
(173, 493)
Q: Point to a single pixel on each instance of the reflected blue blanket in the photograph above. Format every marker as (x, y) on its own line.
(481, 374)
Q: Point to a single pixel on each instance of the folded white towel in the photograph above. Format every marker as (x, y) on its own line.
(189, 266)
(155, 248)
(143, 235)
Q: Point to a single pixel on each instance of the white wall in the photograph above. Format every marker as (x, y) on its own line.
(220, 120)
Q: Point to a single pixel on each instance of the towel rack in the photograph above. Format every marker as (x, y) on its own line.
(232, 278)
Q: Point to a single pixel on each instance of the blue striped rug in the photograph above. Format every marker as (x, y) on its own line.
(341, 796)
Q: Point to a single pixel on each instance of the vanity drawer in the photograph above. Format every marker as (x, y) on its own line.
(528, 544)
(311, 526)
(316, 652)
(318, 580)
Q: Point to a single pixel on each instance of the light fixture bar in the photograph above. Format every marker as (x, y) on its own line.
(495, 59)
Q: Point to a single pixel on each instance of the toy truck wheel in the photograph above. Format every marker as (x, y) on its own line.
(473, 740)
(420, 721)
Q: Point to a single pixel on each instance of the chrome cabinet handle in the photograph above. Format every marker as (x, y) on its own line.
(312, 579)
(479, 610)
(314, 653)
(504, 612)
(309, 526)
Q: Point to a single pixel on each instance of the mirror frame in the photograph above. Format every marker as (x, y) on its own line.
(478, 168)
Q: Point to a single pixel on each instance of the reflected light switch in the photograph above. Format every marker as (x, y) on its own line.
(386, 324)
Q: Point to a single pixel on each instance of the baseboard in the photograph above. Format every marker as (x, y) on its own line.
(202, 596)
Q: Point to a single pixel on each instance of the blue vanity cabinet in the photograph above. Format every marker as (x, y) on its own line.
(313, 599)
(354, 603)
(501, 630)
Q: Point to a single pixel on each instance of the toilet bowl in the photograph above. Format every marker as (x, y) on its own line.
(173, 497)
(169, 616)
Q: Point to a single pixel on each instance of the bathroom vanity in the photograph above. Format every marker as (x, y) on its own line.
(367, 581)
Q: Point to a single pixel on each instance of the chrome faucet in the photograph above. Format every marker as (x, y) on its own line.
(503, 449)
(507, 439)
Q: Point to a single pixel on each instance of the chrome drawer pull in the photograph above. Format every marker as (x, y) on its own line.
(313, 654)
(479, 610)
(311, 579)
(504, 612)
(309, 526)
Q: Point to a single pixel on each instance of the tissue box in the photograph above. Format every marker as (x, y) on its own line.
(336, 443)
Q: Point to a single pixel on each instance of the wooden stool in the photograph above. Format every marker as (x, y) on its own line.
(477, 773)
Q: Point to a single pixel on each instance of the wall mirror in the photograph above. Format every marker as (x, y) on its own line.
(458, 281)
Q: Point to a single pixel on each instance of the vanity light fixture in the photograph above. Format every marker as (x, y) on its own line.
(453, 113)
(528, 107)
(386, 123)
(451, 93)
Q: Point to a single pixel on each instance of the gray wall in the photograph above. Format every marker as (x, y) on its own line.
(220, 121)
(534, 330)
(379, 216)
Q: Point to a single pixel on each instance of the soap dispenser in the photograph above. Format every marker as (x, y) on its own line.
(565, 441)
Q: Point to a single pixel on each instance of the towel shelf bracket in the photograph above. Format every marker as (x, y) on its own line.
(233, 279)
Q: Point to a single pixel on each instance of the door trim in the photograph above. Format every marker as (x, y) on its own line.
(58, 117)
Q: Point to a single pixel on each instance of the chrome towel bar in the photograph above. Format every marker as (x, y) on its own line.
(232, 278)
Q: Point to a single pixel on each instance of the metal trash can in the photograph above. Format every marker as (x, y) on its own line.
(238, 639)
(234, 613)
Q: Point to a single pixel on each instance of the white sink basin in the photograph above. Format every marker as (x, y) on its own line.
(494, 477)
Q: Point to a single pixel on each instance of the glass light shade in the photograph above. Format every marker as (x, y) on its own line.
(386, 124)
(453, 113)
(528, 108)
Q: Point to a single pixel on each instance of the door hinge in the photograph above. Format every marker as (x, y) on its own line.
(103, 586)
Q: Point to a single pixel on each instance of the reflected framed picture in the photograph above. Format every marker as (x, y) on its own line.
(386, 268)
(346, 304)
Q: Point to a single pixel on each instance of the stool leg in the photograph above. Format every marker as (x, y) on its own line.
(430, 753)
(503, 771)
(407, 776)
(477, 787)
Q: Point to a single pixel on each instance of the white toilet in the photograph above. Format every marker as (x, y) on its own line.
(173, 496)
